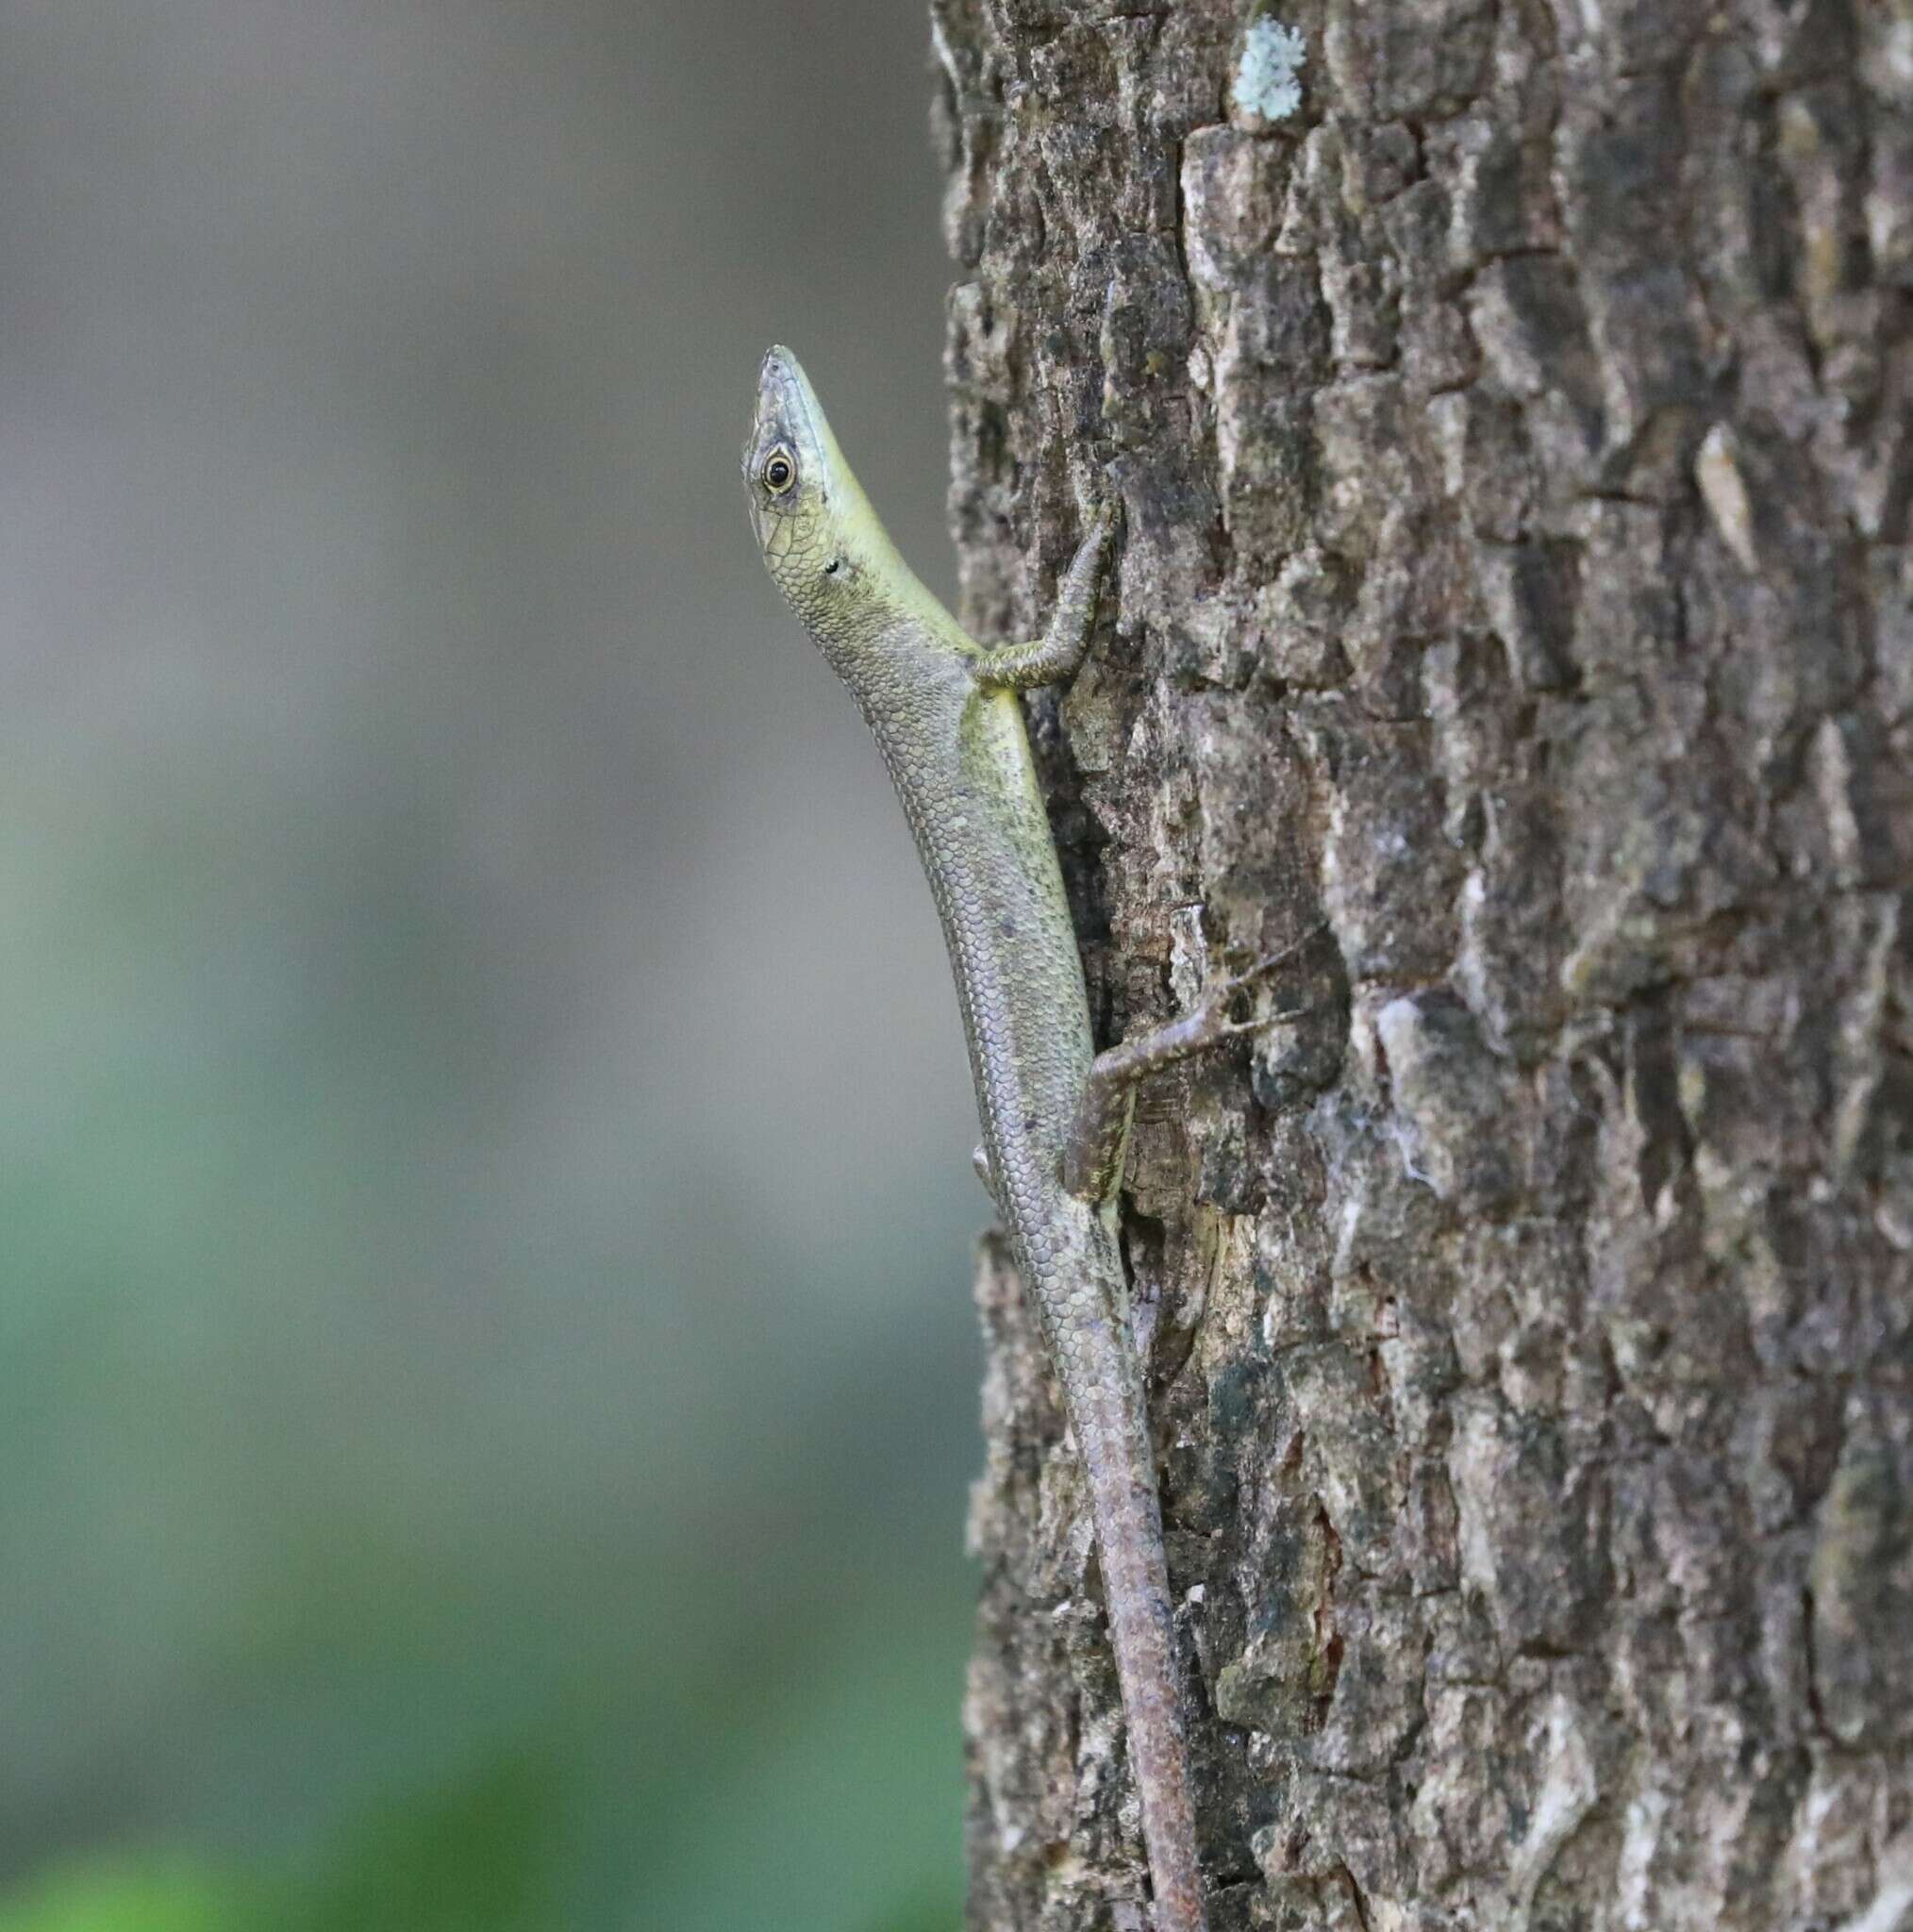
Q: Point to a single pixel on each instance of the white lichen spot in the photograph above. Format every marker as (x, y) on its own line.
(1724, 491)
(1889, 1908)
(1569, 1791)
(1268, 82)
(1896, 49)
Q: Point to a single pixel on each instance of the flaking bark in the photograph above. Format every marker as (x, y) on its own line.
(1513, 443)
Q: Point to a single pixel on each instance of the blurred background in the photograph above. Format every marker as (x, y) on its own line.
(489, 1378)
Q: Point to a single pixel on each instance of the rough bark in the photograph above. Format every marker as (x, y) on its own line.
(1513, 440)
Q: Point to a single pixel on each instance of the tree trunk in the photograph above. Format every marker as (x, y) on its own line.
(1509, 405)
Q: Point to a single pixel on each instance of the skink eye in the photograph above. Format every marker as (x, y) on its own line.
(780, 471)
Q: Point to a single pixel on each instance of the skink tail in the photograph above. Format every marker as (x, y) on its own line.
(1112, 1434)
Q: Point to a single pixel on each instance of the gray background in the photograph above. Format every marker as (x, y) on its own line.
(489, 1378)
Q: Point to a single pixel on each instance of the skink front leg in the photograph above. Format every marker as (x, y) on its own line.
(1056, 654)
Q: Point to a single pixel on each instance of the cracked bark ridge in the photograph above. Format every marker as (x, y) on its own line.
(1513, 440)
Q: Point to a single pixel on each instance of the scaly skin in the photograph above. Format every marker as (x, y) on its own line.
(954, 742)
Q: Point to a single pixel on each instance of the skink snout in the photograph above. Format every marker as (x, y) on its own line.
(784, 394)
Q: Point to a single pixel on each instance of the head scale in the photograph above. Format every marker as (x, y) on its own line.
(812, 522)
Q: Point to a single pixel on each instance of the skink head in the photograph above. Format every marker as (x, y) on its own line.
(812, 522)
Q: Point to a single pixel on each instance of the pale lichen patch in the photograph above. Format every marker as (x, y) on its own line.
(1724, 491)
(1267, 83)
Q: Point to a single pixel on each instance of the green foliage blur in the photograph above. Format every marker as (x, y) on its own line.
(487, 1384)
